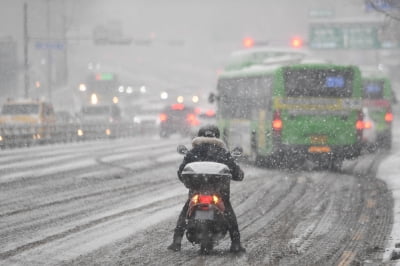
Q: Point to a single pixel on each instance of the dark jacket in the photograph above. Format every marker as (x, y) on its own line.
(212, 150)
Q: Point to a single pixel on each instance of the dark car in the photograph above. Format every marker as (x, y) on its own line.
(177, 118)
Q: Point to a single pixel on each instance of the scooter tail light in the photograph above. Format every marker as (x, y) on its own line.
(205, 199)
(215, 199)
(195, 199)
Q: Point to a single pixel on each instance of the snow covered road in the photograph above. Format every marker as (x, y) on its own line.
(116, 202)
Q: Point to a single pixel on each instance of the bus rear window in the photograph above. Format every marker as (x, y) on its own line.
(373, 89)
(318, 82)
(20, 109)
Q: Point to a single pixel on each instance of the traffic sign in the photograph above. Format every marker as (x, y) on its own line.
(350, 35)
(49, 45)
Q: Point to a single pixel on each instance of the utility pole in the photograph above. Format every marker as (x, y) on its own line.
(26, 61)
(49, 59)
(65, 72)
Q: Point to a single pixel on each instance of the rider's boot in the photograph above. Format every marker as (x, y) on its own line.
(236, 246)
(176, 242)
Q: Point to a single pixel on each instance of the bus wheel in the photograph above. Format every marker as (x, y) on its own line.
(386, 141)
(295, 162)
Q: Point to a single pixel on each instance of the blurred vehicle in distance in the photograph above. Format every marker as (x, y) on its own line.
(177, 118)
(378, 98)
(146, 120)
(205, 117)
(34, 119)
(65, 117)
(27, 112)
(369, 137)
(100, 114)
(99, 121)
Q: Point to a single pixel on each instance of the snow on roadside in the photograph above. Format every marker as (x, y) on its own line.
(389, 172)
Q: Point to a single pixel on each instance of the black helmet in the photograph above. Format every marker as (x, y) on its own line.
(210, 131)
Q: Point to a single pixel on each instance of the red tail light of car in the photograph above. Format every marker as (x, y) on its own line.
(163, 117)
(192, 120)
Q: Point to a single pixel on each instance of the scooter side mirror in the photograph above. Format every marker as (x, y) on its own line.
(181, 149)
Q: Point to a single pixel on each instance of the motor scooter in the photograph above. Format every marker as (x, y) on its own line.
(206, 223)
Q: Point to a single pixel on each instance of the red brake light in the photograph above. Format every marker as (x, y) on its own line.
(277, 124)
(210, 113)
(205, 199)
(163, 117)
(192, 119)
(359, 125)
(277, 121)
(367, 125)
(178, 106)
(360, 121)
(388, 117)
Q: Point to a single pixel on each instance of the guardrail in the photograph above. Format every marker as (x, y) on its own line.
(12, 136)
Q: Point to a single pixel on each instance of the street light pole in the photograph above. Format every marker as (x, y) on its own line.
(26, 62)
(49, 57)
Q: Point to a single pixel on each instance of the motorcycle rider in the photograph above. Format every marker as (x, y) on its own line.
(208, 147)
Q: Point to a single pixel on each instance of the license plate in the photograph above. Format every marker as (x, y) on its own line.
(319, 139)
(204, 215)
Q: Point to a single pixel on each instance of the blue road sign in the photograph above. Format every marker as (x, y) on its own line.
(49, 45)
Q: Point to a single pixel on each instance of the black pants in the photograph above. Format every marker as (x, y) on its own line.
(229, 214)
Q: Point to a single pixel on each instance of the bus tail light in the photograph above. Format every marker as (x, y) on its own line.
(389, 116)
(277, 121)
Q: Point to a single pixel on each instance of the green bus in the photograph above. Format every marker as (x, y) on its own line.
(283, 114)
(378, 98)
